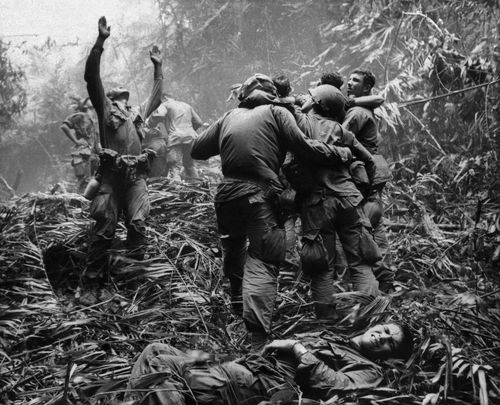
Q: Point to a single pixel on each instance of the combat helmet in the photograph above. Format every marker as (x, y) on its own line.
(118, 91)
(330, 99)
(257, 82)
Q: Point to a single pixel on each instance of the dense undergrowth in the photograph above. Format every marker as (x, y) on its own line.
(66, 340)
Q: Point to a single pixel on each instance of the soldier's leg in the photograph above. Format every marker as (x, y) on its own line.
(318, 250)
(290, 265)
(190, 171)
(159, 163)
(374, 210)
(266, 251)
(136, 208)
(349, 227)
(166, 389)
(174, 161)
(232, 222)
(104, 210)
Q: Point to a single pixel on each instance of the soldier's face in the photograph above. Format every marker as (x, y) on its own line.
(356, 86)
(381, 340)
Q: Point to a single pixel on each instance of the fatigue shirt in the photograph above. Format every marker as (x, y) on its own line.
(252, 141)
(332, 368)
(328, 368)
(335, 178)
(84, 128)
(116, 125)
(180, 120)
(361, 121)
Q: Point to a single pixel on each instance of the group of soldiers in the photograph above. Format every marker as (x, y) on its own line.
(283, 156)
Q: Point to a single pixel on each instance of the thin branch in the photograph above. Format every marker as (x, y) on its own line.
(451, 93)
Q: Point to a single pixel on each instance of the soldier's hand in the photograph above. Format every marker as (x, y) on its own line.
(283, 345)
(155, 54)
(82, 142)
(104, 30)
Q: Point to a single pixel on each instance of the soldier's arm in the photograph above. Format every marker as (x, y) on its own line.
(207, 144)
(195, 119)
(92, 73)
(307, 149)
(154, 100)
(67, 128)
(371, 101)
(324, 382)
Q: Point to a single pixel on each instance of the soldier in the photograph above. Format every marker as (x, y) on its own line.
(330, 204)
(123, 163)
(362, 122)
(252, 141)
(80, 128)
(329, 366)
(180, 122)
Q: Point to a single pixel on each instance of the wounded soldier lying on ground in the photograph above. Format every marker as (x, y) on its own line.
(164, 375)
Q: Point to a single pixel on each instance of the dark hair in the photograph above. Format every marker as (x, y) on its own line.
(405, 349)
(368, 77)
(332, 78)
(282, 84)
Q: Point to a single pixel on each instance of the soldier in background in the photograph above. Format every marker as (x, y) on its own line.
(124, 163)
(362, 122)
(180, 122)
(81, 129)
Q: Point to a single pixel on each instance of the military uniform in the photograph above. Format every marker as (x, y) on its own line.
(123, 176)
(361, 121)
(331, 367)
(181, 123)
(85, 158)
(333, 206)
(252, 141)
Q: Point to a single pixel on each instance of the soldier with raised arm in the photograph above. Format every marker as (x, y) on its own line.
(123, 162)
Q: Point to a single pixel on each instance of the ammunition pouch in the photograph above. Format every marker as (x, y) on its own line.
(80, 160)
(357, 169)
(313, 254)
(125, 167)
(369, 249)
(382, 172)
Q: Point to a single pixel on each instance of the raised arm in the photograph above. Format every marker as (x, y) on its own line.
(154, 100)
(92, 74)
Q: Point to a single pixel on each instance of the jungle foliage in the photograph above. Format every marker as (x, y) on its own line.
(64, 344)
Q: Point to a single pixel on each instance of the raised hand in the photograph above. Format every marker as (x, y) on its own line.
(155, 54)
(104, 30)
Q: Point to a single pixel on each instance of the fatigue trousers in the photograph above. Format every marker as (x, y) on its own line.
(164, 375)
(323, 216)
(179, 156)
(374, 210)
(159, 163)
(253, 247)
(117, 195)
